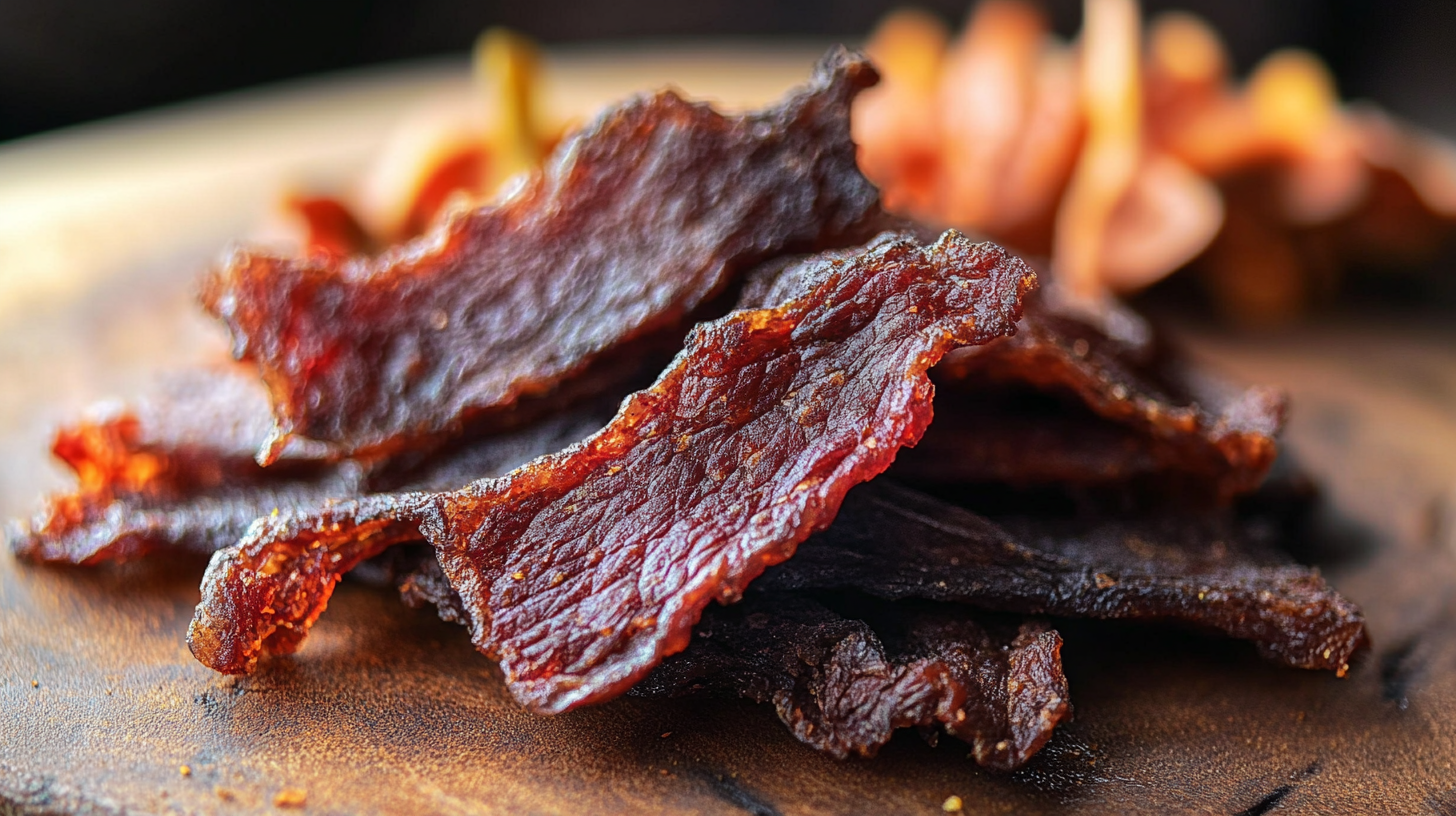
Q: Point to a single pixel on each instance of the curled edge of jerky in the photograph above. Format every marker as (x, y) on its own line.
(843, 690)
(908, 302)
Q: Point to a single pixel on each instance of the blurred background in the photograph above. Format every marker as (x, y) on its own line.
(64, 62)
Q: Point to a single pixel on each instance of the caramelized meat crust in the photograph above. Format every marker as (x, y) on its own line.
(845, 687)
(637, 220)
(896, 543)
(581, 570)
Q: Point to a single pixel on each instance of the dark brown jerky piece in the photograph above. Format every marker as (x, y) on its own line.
(837, 686)
(176, 472)
(1163, 413)
(1026, 440)
(582, 570)
(894, 543)
(636, 221)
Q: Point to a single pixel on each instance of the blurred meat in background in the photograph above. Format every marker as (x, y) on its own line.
(1119, 142)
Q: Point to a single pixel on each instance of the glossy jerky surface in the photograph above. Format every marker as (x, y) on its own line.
(895, 543)
(175, 472)
(637, 220)
(842, 687)
(582, 570)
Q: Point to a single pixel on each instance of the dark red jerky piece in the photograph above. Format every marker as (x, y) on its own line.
(895, 543)
(176, 472)
(582, 570)
(1124, 405)
(636, 221)
(1189, 421)
(839, 688)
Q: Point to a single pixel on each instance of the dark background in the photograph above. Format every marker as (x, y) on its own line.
(69, 61)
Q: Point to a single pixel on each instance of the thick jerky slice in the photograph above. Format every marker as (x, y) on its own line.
(1190, 422)
(896, 543)
(581, 570)
(842, 689)
(176, 472)
(637, 220)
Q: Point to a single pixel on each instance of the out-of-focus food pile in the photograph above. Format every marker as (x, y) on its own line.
(1119, 158)
(1131, 153)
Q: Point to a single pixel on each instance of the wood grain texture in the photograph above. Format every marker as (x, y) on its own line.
(387, 710)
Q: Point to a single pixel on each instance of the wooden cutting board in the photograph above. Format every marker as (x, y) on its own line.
(388, 710)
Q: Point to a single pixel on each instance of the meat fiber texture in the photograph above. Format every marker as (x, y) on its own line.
(581, 570)
(636, 220)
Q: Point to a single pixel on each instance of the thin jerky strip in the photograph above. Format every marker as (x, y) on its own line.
(839, 688)
(1190, 420)
(175, 473)
(895, 543)
(582, 570)
(636, 221)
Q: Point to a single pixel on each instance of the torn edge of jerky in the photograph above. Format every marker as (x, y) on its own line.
(895, 543)
(844, 686)
(175, 471)
(1164, 414)
(636, 220)
(581, 570)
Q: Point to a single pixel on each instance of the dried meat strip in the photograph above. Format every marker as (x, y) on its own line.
(636, 221)
(845, 687)
(175, 472)
(1164, 414)
(1124, 405)
(896, 543)
(581, 570)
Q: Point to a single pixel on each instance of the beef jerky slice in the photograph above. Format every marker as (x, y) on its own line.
(1161, 413)
(842, 689)
(581, 570)
(175, 472)
(896, 543)
(635, 221)
(1093, 391)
